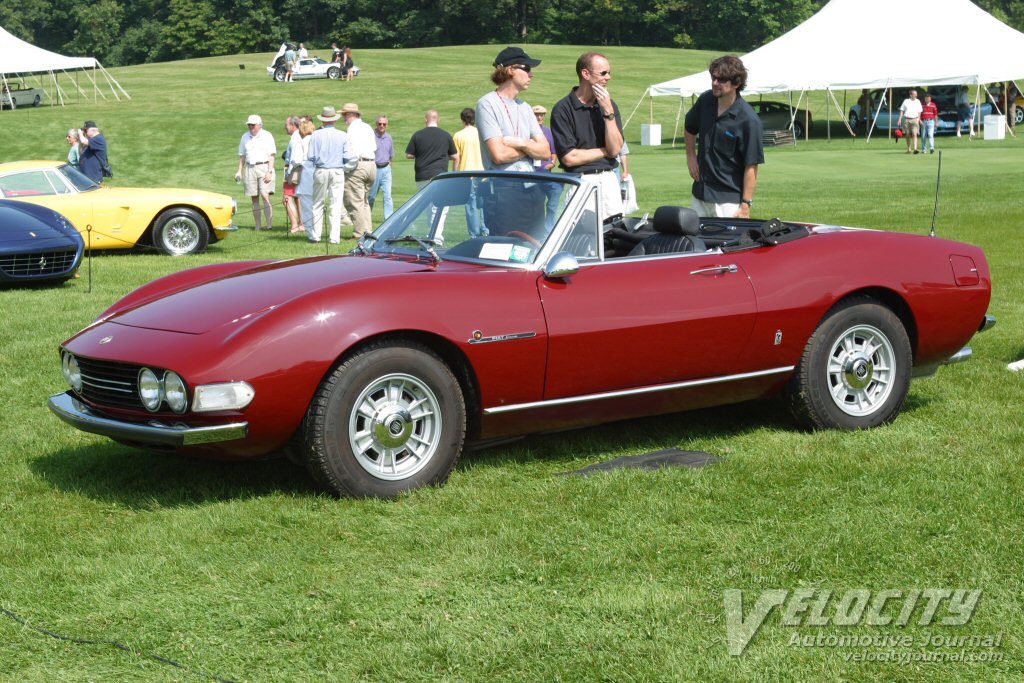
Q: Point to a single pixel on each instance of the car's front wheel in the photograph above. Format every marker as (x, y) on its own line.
(389, 419)
(855, 370)
(798, 130)
(854, 121)
(334, 73)
(37, 101)
(180, 231)
(1018, 116)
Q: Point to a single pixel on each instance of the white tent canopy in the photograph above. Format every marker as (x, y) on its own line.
(20, 58)
(854, 44)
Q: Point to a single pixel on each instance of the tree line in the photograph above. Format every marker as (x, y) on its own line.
(121, 32)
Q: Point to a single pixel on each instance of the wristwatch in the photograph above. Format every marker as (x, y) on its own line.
(748, 202)
(609, 117)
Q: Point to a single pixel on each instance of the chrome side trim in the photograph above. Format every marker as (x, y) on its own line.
(988, 323)
(154, 433)
(960, 356)
(635, 392)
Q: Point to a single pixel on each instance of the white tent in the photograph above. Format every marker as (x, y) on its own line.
(18, 58)
(854, 44)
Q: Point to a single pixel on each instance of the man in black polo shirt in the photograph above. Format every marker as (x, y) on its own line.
(724, 164)
(587, 130)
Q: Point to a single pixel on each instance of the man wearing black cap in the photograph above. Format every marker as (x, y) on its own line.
(94, 153)
(509, 135)
(587, 129)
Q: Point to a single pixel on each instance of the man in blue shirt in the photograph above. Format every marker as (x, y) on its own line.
(94, 153)
(330, 154)
(385, 153)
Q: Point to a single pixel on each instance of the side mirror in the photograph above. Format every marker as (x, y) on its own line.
(562, 265)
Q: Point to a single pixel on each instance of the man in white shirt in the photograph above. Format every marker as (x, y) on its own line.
(911, 111)
(256, 152)
(359, 181)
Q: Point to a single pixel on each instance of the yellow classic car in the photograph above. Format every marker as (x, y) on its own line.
(174, 221)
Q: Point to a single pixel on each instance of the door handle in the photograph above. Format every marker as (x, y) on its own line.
(731, 268)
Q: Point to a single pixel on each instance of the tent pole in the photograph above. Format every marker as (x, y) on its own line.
(641, 101)
(675, 131)
(828, 115)
(842, 112)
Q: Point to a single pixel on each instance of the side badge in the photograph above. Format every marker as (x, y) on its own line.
(778, 337)
(106, 340)
(479, 338)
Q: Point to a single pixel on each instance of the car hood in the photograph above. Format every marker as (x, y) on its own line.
(240, 296)
(31, 227)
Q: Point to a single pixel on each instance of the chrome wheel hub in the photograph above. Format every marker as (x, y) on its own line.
(861, 368)
(181, 235)
(395, 427)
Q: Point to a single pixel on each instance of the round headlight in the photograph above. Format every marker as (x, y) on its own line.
(174, 392)
(149, 389)
(71, 371)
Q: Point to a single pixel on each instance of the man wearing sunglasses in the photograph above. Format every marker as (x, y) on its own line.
(723, 163)
(509, 134)
(587, 129)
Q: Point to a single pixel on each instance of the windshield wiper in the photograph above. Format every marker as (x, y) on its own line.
(359, 245)
(426, 245)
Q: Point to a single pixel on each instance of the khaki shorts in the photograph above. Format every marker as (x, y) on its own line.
(253, 179)
(912, 126)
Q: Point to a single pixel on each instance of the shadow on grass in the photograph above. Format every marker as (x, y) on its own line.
(147, 480)
(641, 435)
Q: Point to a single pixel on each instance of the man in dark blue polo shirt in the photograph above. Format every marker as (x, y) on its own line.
(587, 129)
(724, 163)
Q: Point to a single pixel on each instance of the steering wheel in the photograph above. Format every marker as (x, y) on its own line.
(524, 236)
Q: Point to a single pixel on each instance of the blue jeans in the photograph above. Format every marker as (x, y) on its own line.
(383, 180)
(474, 207)
(927, 133)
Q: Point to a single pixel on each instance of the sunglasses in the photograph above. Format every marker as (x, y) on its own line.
(720, 79)
(601, 73)
(522, 67)
(381, 123)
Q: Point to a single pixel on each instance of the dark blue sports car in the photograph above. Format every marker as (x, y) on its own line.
(36, 244)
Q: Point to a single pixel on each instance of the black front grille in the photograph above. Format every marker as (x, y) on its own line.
(110, 383)
(38, 263)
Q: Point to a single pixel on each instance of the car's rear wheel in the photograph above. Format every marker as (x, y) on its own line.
(854, 121)
(37, 101)
(1018, 116)
(389, 419)
(798, 129)
(181, 231)
(855, 370)
(334, 73)
(279, 74)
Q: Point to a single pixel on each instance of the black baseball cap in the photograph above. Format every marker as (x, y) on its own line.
(89, 124)
(514, 55)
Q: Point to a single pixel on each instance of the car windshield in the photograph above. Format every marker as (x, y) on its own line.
(503, 217)
(81, 181)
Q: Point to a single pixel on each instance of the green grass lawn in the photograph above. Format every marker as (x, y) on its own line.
(509, 572)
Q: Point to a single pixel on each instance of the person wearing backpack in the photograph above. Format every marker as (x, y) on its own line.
(93, 162)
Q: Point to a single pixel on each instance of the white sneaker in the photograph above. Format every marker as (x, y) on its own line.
(1016, 366)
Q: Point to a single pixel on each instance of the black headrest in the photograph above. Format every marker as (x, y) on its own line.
(676, 220)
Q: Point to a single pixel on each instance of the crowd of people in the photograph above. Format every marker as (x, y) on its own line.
(340, 174)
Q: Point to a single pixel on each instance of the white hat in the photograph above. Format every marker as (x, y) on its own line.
(254, 118)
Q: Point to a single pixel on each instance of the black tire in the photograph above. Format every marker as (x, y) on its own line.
(181, 231)
(855, 370)
(279, 74)
(334, 73)
(362, 439)
(798, 130)
(37, 101)
(1018, 115)
(854, 121)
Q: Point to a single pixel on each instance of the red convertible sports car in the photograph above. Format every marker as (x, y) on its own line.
(466, 317)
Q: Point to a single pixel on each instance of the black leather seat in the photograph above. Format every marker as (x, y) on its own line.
(675, 232)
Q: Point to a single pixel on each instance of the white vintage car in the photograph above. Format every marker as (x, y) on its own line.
(308, 67)
(14, 95)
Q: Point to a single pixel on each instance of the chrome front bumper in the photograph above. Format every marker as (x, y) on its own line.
(153, 433)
